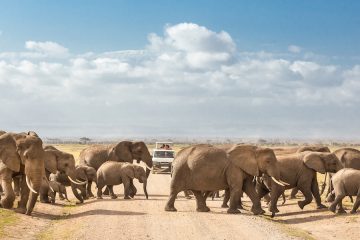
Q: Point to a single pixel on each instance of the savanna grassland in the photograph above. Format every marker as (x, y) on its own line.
(146, 219)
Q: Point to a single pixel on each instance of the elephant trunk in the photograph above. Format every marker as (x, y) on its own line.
(74, 184)
(34, 185)
(274, 173)
(145, 190)
(147, 159)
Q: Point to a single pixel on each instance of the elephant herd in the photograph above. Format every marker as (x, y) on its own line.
(29, 169)
(264, 172)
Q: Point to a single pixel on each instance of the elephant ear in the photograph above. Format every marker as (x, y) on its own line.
(81, 173)
(122, 152)
(8, 152)
(313, 160)
(50, 161)
(129, 171)
(244, 157)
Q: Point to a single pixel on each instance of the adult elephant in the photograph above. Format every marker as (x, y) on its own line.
(203, 168)
(125, 151)
(59, 161)
(21, 154)
(299, 170)
(349, 158)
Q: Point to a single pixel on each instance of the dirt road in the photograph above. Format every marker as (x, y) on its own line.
(142, 219)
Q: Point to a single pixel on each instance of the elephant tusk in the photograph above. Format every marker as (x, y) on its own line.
(77, 183)
(28, 184)
(285, 183)
(49, 184)
(274, 179)
(150, 168)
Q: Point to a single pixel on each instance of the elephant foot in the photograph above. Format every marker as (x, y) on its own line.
(170, 209)
(224, 205)
(113, 197)
(127, 197)
(257, 211)
(330, 198)
(233, 211)
(301, 204)
(272, 214)
(20, 210)
(99, 197)
(240, 207)
(91, 196)
(341, 211)
(62, 198)
(321, 206)
(44, 201)
(79, 202)
(188, 197)
(203, 209)
(273, 209)
(332, 208)
(352, 211)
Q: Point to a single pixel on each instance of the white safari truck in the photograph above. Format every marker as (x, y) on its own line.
(163, 156)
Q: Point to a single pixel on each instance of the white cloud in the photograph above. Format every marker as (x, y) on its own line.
(294, 49)
(48, 48)
(189, 75)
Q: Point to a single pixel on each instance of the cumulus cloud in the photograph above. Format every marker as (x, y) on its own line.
(189, 75)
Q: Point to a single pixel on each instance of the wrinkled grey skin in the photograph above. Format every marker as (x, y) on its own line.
(299, 170)
(205, 168)
(88, 174)
(115, 173)
(346, 182)
(21, 154)
(59, 161)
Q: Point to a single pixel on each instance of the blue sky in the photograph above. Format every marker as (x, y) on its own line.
(273, 69)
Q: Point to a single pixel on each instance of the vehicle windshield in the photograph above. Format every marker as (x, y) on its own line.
(163, 154)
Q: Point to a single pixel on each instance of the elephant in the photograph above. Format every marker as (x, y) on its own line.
(87, 174)
(56, 187)
(312, 148)
(125, 151)
(299, 170)
(114, 173)
(21, 154)
(59, 161)
(205, 168)
(349, 158)
(346, 182)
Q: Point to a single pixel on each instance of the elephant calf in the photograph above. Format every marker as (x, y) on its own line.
(56, 187)
(346, 182)
(114, 173)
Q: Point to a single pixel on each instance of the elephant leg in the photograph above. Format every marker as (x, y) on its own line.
(226, 199)
(88, 189)
(17, 180)
(83, 192)
(341, 209)
(337, 200)
(351, 199)
(76, 194)
(53, 197)
(200, 202)
(234, 200)
(24, 196)
(316, 194)
(174, 190)
(249, 189)
(267, 198)
(308, 196)
(357, 203)
(276, 192)
(187, 194)
(61, 196)
(127, 186)
(106, 191)
(111, 191)
(294, 191)
(8, 200)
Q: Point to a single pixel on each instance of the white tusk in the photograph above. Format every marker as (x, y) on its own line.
(78, 183)
(49, 184)
(28, 184)
(274, 179)
(285, 183)
(150, 168)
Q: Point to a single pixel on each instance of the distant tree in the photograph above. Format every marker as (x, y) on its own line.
(84, 140)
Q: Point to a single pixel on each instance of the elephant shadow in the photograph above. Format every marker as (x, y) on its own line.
(300, 220)
(92, 212)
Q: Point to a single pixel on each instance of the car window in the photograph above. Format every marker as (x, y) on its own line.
(163, 154)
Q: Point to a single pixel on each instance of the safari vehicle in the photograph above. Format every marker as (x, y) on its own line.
(163, 156)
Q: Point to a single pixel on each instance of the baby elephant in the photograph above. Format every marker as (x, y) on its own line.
(114, 173)
(56, 187)
(346, 182)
